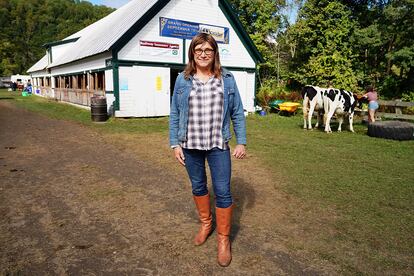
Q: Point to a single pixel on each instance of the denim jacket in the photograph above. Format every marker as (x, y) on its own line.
(233, 110)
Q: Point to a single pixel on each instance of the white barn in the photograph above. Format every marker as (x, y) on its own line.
(133, 56)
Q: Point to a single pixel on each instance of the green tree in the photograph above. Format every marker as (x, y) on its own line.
(262, 18)
(384, 44)
(349, 41)
(323, 52)
(26, 25)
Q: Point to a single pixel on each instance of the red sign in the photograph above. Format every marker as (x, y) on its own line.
(159, 44)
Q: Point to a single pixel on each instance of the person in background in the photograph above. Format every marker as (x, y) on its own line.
(204, 101)
(372, 97)
(14, 86)
(29, 86)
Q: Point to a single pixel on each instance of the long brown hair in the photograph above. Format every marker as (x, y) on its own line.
(191, 68)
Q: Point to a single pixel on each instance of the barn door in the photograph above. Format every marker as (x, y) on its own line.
(144, 91)
(157, 80)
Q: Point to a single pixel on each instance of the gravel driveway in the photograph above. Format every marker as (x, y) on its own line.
(73, 203)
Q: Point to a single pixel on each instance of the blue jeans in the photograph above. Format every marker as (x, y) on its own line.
(373, 105)
(220, 168)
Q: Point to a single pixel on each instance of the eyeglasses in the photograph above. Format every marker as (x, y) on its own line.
(208, 52)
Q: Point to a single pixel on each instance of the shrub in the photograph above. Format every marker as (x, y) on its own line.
(291, 96)
(408, 97)
(270, 91)
(265, 96)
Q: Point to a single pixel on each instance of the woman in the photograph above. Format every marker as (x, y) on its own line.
(205, 99)
(372, 97)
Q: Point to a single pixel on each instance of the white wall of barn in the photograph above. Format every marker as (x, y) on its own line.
(144, 91)
(59, 50)
(91, 63)
(109, 86)
(207, 12)
(35, 77)
(38, 74)
(233, 54)
(246, 85)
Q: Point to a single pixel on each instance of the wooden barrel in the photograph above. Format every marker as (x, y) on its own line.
(99, 110)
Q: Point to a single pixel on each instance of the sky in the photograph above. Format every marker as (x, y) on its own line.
(110, 3)
(291, 11)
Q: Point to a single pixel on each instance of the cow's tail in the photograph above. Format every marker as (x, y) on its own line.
(305, 101)
(305, 108)
(303, 92)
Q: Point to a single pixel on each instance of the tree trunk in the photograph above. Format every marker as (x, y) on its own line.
(389, 62)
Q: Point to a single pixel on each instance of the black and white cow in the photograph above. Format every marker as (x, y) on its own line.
(312, 101)
(341, 103)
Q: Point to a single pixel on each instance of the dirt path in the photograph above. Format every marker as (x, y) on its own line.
(74, 203)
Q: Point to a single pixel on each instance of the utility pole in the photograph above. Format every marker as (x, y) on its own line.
(271, 39)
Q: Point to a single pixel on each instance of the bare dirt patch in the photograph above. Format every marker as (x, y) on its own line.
(74, 201)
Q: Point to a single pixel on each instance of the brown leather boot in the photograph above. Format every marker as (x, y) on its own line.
(223, 218)
(204, 213)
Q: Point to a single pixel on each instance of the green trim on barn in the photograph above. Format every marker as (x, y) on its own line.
(82, 72)
(184, 52)
(115, 78)
(50, 53)
(255, 87)
(233, 68)
(150, 63)
(175, 65)
(141, 23)
(60, 42)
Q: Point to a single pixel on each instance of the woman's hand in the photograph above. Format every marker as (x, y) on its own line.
(179, 155)
(239, 151)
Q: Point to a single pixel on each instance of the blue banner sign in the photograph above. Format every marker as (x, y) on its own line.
(187, 30)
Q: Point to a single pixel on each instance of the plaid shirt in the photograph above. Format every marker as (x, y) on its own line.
(205, 115)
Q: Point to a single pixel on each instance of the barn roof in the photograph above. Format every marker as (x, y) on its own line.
(114, 30)
(40, 65)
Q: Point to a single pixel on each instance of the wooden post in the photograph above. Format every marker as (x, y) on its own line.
(96, 81)
(92, 82)
(398, 109)
(103, 82)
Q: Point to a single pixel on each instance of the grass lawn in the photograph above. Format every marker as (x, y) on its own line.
(69, 112)
(368, 183)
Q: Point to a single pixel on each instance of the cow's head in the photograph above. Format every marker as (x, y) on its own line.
(360, 100)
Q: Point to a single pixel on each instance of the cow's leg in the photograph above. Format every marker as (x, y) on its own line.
(305, 111)
(310, 114)
(351, 120)
(326, 116)
(340, 120)
(305, 118)
(328, 121)
(317, 120)
(321, 118)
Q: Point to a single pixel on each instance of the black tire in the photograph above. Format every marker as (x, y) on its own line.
(395, 130)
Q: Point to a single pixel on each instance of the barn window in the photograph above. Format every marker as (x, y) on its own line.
(57, 82)
(101, 80)
(47, 80)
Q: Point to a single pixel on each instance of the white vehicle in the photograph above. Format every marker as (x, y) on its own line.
(21, 80)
